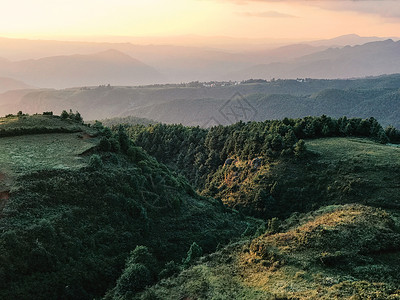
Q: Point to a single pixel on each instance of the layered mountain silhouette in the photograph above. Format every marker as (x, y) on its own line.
(49, 63)
(107, 67)
(370, 59)
(7, 84)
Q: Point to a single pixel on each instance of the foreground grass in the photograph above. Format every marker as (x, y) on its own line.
(31, 143)
(359, 169)
(337, 252)
(27, 153)
(45, 121)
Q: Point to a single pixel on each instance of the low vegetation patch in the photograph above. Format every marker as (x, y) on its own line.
(340, 252)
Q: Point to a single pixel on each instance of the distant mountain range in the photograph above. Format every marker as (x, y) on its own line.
(58, 64)
(370, 59)
(7, 84)
(108, 67)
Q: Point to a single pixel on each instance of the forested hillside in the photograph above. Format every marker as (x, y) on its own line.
(237, 163)
(72, 212)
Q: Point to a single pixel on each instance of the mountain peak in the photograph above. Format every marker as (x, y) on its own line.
(114, 55)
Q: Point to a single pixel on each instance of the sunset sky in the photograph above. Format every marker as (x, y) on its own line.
(296, 19)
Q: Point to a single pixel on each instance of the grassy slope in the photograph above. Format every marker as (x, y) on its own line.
(338, 170)
(25, 153)
(343, 251)
(372, 172)
(338, 252)
(12, 122)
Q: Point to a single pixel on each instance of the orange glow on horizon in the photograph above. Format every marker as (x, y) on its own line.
(58, 19)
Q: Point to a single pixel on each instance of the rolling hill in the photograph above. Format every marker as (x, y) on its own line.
(337, 252)
(383, 104)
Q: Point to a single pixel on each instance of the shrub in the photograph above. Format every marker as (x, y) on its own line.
(142, 255)
(170, 269)
(104, 144)
(300, 148)
(64, 115)
(195, 251)
(95, 162)
(134, 278)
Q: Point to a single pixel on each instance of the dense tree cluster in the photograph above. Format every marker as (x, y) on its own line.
(197, 152)
(71, 116)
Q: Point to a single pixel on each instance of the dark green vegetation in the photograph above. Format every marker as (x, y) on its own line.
(196, 103)
(68, 226)
(159, 211)
(262, 168)
(333, 250)
(130, 120)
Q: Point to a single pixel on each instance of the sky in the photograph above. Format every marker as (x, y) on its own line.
(275, 19)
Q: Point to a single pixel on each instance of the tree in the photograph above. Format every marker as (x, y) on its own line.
(195, 251)
(64, 115)
(134, 278)
(300, 148)
(393, 134)
(78, 117)
(104, 144)
(95, 161)
(123, 139)
(140, 270)
(382, 137)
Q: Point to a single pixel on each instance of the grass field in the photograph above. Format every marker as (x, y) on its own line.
(354, 165)
(28, 153)
(13, 122)
(359, 150)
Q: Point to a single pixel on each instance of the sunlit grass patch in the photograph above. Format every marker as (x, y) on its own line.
(28, 153)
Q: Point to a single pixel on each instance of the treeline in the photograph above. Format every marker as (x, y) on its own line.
(131, 120)
(197, 153)
(23, 124)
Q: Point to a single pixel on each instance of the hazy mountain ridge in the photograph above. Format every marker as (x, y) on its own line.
(184, 63)
(370, 59)
(7, 84)
(335, 103)
(197, 104)
(110, 66)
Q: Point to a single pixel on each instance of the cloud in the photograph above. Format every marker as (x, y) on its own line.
(267, 14)
(387, 9)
